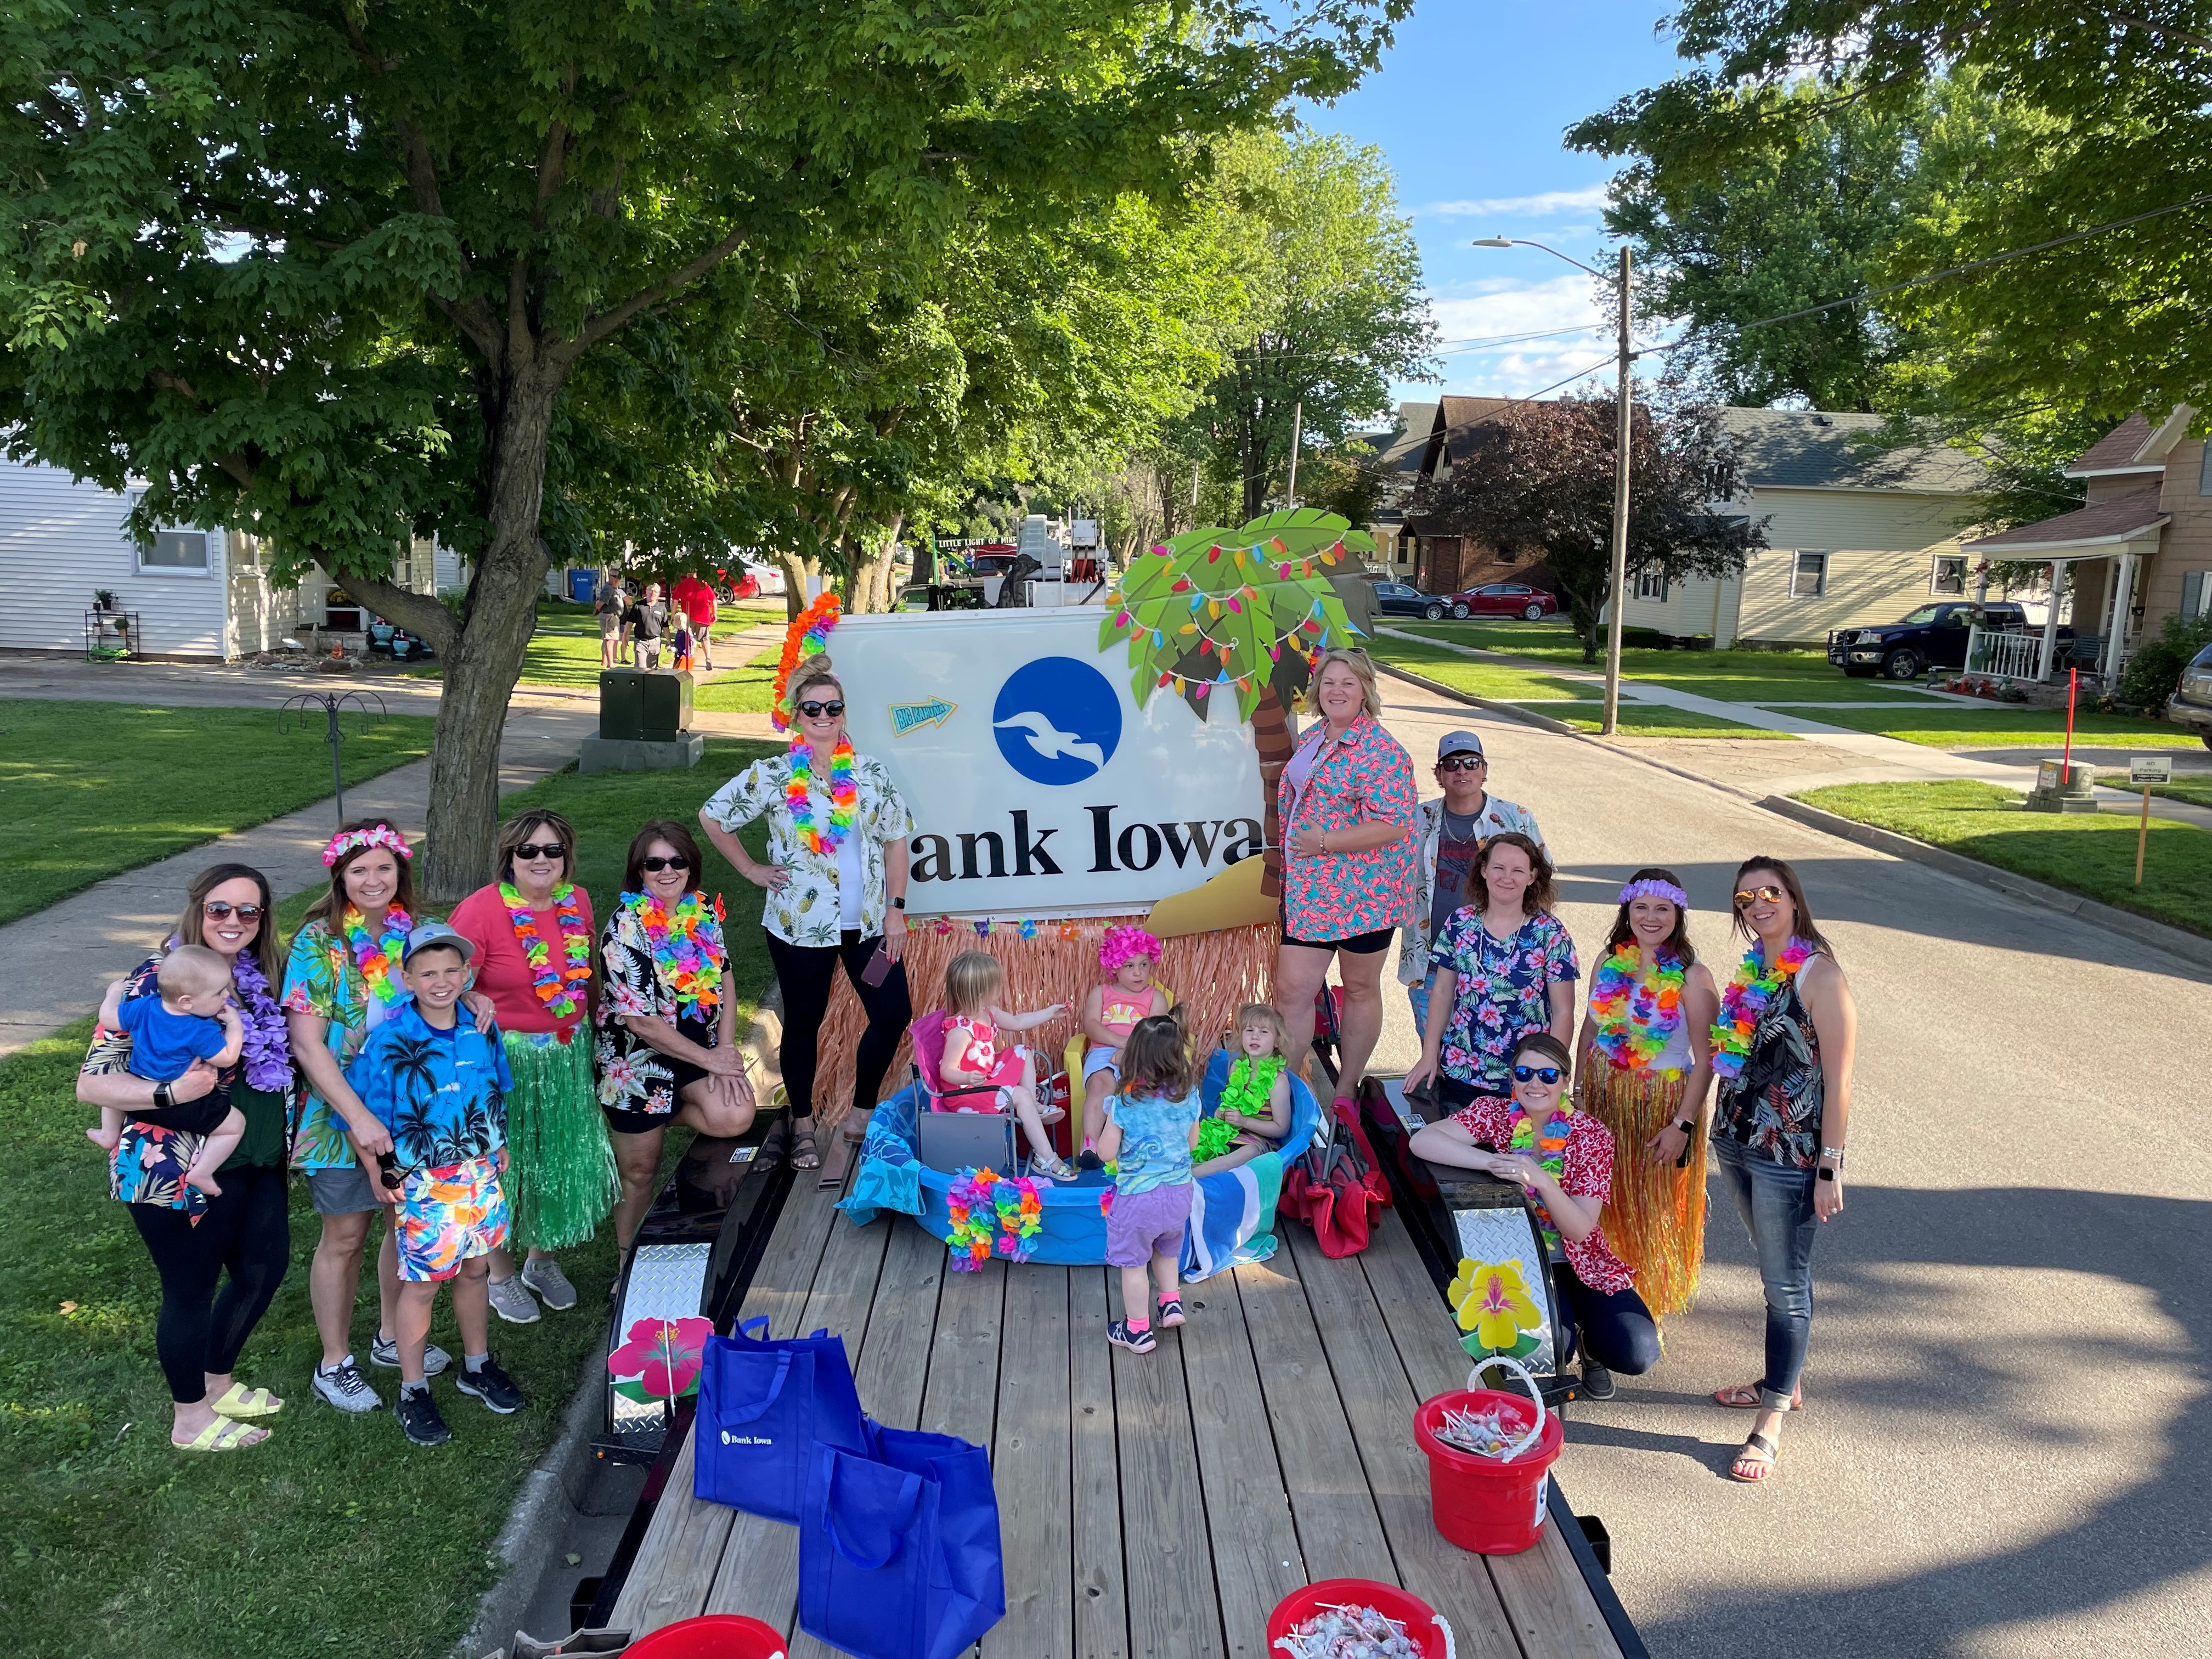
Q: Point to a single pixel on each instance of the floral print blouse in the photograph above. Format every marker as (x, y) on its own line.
(1585, 1172)
(1364, 777)
(635, 1076)
(1773, 1109)
(1503, 991)
(808, 909)
(322, 978)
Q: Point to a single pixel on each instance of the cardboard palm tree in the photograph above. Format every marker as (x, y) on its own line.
(1239, 613)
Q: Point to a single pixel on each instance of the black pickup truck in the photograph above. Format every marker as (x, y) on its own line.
(1934, 637)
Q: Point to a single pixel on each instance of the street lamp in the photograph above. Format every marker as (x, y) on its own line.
(1618, 602)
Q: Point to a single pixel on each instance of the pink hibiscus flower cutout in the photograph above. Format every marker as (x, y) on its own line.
(661, 1359)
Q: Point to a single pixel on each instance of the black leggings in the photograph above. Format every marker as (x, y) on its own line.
(805, 973)
(1616, 1330)
(247, 1230)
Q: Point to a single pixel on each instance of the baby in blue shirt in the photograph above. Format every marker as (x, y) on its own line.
(192, 1019)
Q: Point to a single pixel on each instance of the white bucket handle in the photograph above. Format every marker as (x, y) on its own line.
(1475, 1381)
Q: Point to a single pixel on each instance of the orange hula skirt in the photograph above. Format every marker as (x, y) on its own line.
(1655, 1219)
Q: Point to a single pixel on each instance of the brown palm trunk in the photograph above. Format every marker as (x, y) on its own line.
(1272, 737)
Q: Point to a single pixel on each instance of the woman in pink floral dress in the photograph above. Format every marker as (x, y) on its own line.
(1347, 802)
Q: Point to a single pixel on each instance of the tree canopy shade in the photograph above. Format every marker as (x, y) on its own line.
(328, 270)
(1541, 479)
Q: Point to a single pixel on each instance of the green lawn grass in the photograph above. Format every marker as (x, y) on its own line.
(1479, 679)
(336, 1536)
(743, 690)
(2197, 790)
(1731, 676)
(1651, 720)
(1939, 726)
(2094, 855)
(96, 789)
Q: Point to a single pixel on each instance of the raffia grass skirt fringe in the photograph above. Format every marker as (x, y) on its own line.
(561, 1165)
(1655, 1219)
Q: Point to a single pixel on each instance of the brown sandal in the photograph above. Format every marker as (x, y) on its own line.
(804, 1153)
(1747, 1397)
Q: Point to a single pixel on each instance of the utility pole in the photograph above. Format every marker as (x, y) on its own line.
(1297, 417)
(1619, 587)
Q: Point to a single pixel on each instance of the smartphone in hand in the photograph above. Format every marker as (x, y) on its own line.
(878, 968)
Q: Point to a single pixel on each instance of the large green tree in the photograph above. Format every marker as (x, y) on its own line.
(329, 269)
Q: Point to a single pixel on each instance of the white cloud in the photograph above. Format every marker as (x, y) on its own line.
(1486, 351)
(1521, 207)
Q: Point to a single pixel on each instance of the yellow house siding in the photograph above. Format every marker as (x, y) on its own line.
(1881, 548)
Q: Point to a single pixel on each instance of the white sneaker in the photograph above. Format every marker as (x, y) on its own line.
(544, 1275)
(344, 1387)
(385, 1351)
(512, 1301)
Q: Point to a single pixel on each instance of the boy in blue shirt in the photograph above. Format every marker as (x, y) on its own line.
(192, 1019)
(440, 1086)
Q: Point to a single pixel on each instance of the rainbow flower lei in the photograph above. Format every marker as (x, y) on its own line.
(1636, 1013)
(378, 957)
(844, 796)
(1745, 998)
(686, 944)
(806, 637)
(552, 984)
(991, 1213)
(1551, 1151)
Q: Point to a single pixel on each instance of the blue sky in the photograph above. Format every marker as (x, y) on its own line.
(1468, 107)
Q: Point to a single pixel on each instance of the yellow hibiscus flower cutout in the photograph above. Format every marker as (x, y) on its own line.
(1493, 1303)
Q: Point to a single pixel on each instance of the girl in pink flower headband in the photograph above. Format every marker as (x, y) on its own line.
(1129, 955)
(356, 838)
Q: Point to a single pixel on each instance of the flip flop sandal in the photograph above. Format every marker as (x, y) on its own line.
(805, 1155)
(1758, 1453)
(243, 1405)
(1745, 1397)
(222, 1436)
(775, 1145)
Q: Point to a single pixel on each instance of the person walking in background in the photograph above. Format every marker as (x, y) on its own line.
(694, 598)
(1449, 833)
(608, 606)
(835, 880)
(531, 930)
(1782, 1049)
(1505, 966)
(1645, 1062)
(1348, 805)
(239, 1238)
(646, 621)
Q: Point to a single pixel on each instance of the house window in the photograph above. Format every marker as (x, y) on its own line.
(1651, 585)
(1809, 575)
(176, 550)
(1949, 576)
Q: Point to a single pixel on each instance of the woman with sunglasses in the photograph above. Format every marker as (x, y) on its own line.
(1562, 1160)
(665, 1052)
(196, 1239)
(533, 931)
(836, 881)
(1782, 1049)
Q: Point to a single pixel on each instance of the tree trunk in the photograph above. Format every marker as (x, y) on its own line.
(1272, 737)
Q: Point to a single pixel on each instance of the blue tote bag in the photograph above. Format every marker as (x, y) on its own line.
(899, 1555)
(764, 1407)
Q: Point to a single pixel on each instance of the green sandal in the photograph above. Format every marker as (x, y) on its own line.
(222, 1436)
(243, 1405)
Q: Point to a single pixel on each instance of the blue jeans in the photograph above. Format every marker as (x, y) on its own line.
(1776, 1203)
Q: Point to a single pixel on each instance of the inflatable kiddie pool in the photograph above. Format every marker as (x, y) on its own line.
(1232, 1211)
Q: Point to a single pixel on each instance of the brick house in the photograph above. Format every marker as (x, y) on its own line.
(1446, 565)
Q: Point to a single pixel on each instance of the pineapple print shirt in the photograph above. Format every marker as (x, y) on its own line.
(811, 907)
(441, 1093)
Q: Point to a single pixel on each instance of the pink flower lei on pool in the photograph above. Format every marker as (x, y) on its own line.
(991, 1214)
(1124, 944)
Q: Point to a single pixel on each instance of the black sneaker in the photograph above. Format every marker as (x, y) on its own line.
(1122, 1335)
(489, 1383)
(418, 1415)
(1597, 1382)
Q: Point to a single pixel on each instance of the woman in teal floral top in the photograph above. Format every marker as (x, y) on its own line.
(835, 879)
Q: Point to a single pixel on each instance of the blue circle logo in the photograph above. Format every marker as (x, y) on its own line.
(1057, 721)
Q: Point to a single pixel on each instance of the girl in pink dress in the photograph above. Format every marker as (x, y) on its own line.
(1130, 957)
(973, 1054)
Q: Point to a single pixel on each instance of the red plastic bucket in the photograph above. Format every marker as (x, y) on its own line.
(1427, 1631)
(1492, 1505)
(715, 1636)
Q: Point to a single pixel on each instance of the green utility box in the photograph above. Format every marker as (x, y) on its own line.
(638, 706)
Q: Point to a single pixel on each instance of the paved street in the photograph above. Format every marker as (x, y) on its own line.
(2007, 1440)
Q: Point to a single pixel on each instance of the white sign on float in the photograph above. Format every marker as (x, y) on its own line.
(1039, 788)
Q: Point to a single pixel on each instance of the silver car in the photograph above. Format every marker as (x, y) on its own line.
(2191, 703)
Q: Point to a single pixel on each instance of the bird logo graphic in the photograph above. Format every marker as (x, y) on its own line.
(1057, 721)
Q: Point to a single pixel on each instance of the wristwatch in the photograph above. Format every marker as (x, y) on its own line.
(163, 1097)
(898, 905)
(1687, 1126)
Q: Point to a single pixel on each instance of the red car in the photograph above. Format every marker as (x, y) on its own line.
(1504, 599)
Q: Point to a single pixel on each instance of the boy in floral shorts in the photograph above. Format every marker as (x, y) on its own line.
(440, 1086)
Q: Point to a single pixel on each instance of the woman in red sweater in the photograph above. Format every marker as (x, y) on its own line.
(534, 936)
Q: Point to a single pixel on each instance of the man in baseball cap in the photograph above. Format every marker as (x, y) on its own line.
(1451, 832)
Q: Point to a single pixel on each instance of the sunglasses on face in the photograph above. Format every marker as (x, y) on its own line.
(551, 850)
(216, 910)
(1462, 764)
(815, 711)
(654, 867)
(1546, 1075)
(1764, 894)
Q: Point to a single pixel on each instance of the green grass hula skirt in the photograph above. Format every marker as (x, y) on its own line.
(560, 1175)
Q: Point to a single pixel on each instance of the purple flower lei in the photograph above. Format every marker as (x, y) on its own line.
(267, 1051)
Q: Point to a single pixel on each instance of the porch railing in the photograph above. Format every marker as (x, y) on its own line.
(2004, 654)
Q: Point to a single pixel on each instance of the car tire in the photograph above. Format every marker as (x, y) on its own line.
(1434, 613)
(1903, 663)
(1532, 612)
(1460, 613)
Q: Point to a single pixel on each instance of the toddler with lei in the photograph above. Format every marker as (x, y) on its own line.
(1646, 1067)
(1130, 957)
(1152, 1124)
(973, 1056)
(190, 1019)
(1254, 1113)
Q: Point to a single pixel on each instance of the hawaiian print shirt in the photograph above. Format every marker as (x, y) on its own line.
(1503, 991)
(1364, 777)
(322, 978)
(635, 1076)
(1496, 818)
(1772, 1109)
(807, 909)
(441, 1094)
(1585, 1172)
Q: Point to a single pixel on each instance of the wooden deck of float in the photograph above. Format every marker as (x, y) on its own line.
(1154, 1506)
